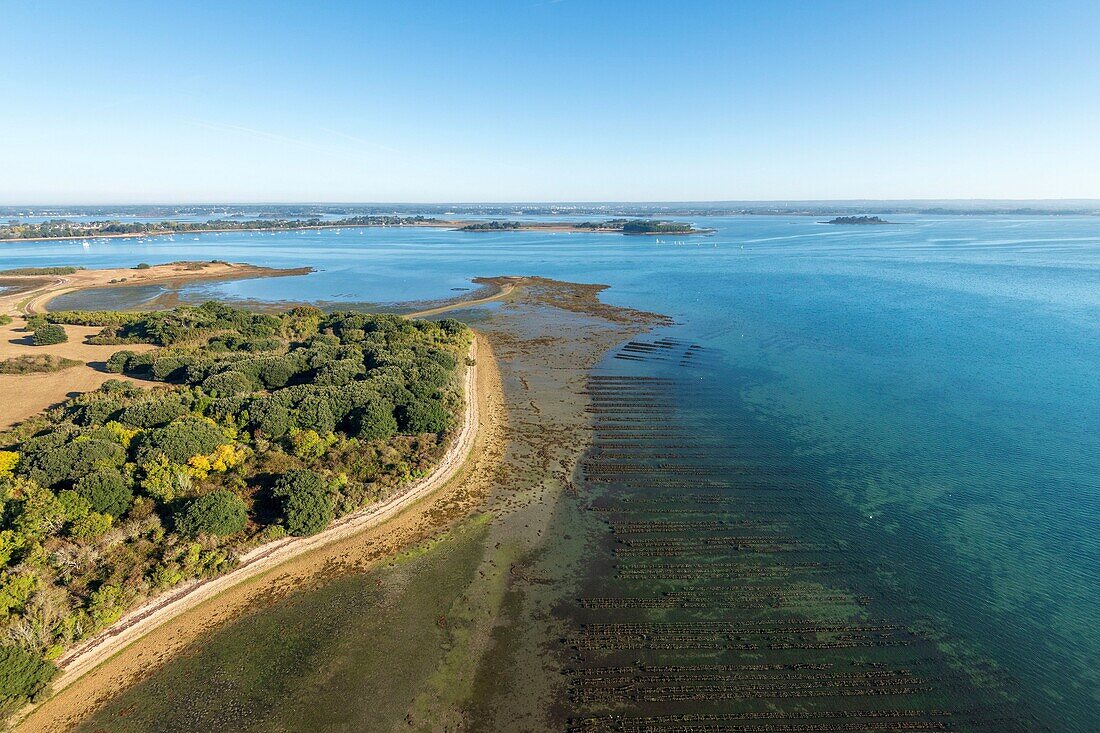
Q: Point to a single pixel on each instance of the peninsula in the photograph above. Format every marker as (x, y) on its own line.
(243, 433)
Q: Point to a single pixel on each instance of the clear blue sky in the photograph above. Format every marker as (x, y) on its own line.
(539, 100)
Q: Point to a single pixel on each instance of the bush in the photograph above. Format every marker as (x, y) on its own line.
(63, 270)
(278, 372)
(49, 334)
(36, 364)
(5, 319)
(306, 502)
(270, 416)
(314, 413)
(142, 266)
(23, 676)
(106, 491)
(220, 512)
(118, 361)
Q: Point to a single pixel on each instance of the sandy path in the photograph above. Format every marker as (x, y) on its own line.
(133, 626)
(503, 291)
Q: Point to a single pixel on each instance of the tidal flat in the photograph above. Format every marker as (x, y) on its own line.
(621, 570)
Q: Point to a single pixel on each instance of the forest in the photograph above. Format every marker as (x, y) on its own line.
(254, 427)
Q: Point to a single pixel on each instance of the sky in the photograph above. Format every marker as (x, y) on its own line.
(547, 100)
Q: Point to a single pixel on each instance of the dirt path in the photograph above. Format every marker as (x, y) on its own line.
(133, 626)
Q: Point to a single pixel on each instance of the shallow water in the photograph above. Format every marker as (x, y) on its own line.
(934, 383)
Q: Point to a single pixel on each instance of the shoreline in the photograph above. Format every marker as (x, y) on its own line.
(33, 300)
(152, 615)
(451, 225)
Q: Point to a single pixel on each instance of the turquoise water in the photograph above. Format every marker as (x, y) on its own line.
(939, 376)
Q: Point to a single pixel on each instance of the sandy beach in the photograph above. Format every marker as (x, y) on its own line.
(24, 395)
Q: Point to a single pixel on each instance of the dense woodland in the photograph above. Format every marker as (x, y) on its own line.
(263, 426)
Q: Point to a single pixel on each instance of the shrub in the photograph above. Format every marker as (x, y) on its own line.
(142, 266)
(62, 270)
(278, 372)
(50, 333)
(314, 413)
(167, 368)
(36, 364)
(118, 361)
(220, 512)
(306, 502)
(5, 319)
(23, 676)
(270, 416)
(339, 373)
(106, 491)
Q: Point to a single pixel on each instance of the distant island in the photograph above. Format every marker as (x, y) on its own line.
(622, 226)
(858, 220)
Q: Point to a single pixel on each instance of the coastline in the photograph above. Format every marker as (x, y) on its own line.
(171, 272)
(453, 225)
(468, 446)
(526, 450)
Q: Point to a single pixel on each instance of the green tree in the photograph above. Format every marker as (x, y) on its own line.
(181, 439)
(227, 384)
(373, 421)
(220, 512)
(306, 501)
(422, 416)
(23, 676)
(90, 526)
(106, 492)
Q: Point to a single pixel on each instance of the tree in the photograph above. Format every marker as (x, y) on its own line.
(90, 526)
(422, 416)
(23, 676)
(74, 460)
(270, 416)
(50, 333)
(373, 421)
(315, 413)
(156, 409)
(221, 512)
(227, 384)
(306, 502)
(181, 439)
(106, 491)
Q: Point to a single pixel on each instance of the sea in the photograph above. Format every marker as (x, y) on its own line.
(937, 379)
